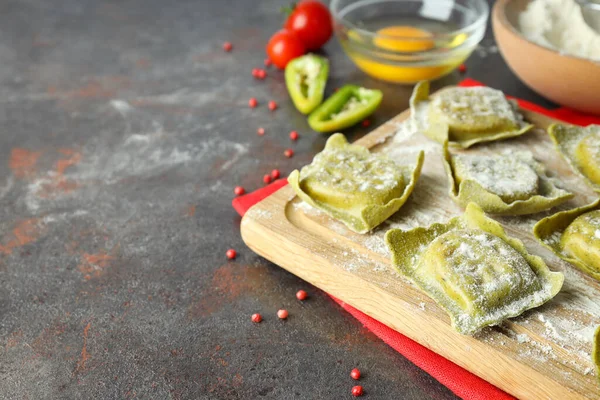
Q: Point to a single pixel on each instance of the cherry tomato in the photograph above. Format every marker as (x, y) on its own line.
(311, 22)
(283, 47)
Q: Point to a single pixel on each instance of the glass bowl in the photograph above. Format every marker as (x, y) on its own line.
(406, 41)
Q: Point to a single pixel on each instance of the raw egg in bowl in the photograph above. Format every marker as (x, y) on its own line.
(406, 41)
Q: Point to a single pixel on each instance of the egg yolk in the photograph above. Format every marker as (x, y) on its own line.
(407, 39)
(404, 38)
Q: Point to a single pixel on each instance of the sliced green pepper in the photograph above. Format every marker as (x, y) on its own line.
(348, 106)
(305, 78)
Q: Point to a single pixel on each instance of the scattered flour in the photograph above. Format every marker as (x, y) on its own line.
(137, 138)
(259, 213)
(240, 150)
(376, 243)
(153, 157)
(541, 318)
(121, 106)
(185, 97)
(307, 208)
(413, 218)
(402, 146)
(136, 155)
(62, 216)
(404, 130)
(356, 260)
(522, 338)
(4, 190)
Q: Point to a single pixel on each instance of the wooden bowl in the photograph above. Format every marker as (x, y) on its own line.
(567, 80)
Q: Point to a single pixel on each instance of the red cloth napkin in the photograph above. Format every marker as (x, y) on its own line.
(460, 381)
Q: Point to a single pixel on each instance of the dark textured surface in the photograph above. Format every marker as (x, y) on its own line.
(125, 128)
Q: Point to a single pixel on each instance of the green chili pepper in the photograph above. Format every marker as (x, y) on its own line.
(305, 78)
(348, 106)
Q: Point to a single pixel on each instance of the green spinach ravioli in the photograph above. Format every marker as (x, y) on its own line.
(574, 236)
(580, 146)
(503, 184)
(354, 186)
(473, 270)
(466, 116)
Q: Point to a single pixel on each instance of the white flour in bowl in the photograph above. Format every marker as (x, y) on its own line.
(559, 24)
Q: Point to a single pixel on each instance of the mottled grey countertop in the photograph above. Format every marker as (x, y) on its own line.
(125, 128)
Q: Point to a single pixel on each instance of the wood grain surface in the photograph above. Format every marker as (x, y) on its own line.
(543, 354)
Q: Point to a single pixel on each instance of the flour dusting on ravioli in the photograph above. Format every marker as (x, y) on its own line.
(508, 176)
(574, 236)
(476, 109)
(354, 186)
(466, 116)
(473, 270)
(505, 184)
(580, 146)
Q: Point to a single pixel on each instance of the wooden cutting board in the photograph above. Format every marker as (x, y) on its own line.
(543, 354)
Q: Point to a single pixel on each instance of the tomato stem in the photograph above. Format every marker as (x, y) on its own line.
(287, 10)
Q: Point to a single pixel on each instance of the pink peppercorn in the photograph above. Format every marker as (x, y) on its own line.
(357, 391)
(256, 318)
(238, 190)
(231, 254)
(301, 295)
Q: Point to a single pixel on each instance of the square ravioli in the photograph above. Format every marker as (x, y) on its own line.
(574, 236)
(465, 116)
(353, 185)
(473, 270)
(503, 184)
(580, 146)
